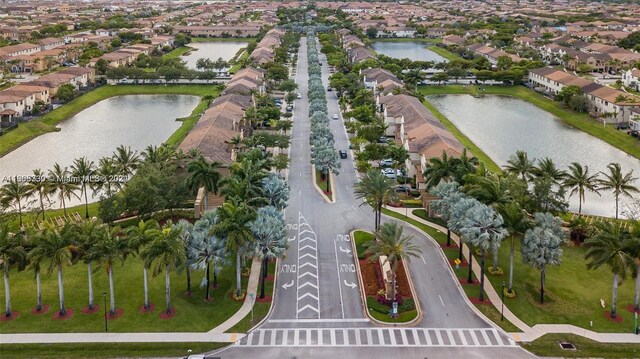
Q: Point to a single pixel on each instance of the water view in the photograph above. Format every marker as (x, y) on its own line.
(133, 120)
(502, 125)
(212, 50)
(413, 50)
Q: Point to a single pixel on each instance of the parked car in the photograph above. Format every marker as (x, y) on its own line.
(403, 188)
(329, 88)
(383, 139)
(387, 162)
(389, 172)
(343, 154)
(335, 116)
(298, 95)
(289, 108)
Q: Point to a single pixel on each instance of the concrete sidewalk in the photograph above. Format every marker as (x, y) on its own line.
(215, 335)
(528, 333)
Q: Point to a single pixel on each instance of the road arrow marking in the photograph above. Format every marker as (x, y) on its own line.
(349, 284)
(308, 306)
(345, 250)
(287, 285)
(308, 264)
(306, 284)
(307, 254)
(292, 239)
(307, 295)
(305, 247)
(308, 273)
(306, 238)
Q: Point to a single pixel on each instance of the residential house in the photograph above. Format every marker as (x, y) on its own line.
(49, 43)
(630, 79)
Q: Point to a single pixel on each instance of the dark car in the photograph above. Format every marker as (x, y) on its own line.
(329, 88)
(343, 154)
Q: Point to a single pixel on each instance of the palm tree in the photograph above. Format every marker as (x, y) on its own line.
(139, 237)
(521, 165)
(86, 236)
(204, 174)
(35, 260)
(64, 187)
(440, 169)
(107, 174)
(483, 229)
(126, 160)
(393, 244)
(185, 233)
(13, 193)
(376, 190)
(449, 193)
(82, 170)
(276, 191)
(579, 180)
(42, 187)
(270, 234)
(632, 248)
(465, 165)
(233, 226)
(11, 252)
(57, 246)
(547, 168)
(618, 183)
(110, 249)
(516, 222)
(207, 250)
(606, 246)
(166, 252)
(491, 190)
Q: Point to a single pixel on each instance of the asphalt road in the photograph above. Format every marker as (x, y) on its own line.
(317, 294)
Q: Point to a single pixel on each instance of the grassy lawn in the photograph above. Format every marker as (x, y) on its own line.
(221, 39)
(323, 184)
(177, 52)
(189, 122)
(193, 313)
(48, 122)
(572, 294)
(464, 140)
(549, 346)
(104, 350)
(30, 217)
(260, 309)
(581, 121)
(444, 53)
(238, 62)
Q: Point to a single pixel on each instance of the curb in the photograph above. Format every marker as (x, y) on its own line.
(273, 298)
(363, 296)
(331, 200)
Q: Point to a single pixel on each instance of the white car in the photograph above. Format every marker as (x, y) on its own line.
(390, 173)
(335, 116)
(298, 96)
(387, 162)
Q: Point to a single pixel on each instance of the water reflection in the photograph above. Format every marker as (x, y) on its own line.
(413, 50)
(212, 50)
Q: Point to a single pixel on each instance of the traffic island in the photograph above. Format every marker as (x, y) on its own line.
(375, 285)
(320, 184)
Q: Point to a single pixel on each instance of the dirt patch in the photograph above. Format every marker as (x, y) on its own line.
(149, 309)
(166, 316)
(68, 314)
(477, 301)
(617, 319)
(14, 315)
(87, 310)
(464, 281)
(44, 310)
(118, 313)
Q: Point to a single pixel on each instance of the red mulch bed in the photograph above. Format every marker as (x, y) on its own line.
(617, 319)
(269, 278)
(151, 308)
(445, 246)
(14, 315)
(266, 299)
(86, 309)
(463, 263)
(630, 308)
(373, 279)
(119, 312)
(164, 315)
(68, 315)
(45, 309)
(463, 281)
(475, 300)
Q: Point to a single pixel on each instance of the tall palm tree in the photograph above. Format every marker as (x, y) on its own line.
(270, 233)
(632, 248)
(83, 170)
(440, 169)
(393, 244)
(35, 260)
(64, 187)
(547, 168)
(520, 165)
(606, 247)
(107, 177)
(14, 193)
(41, 187)
(12, 252)
(376, 190)
(166, 252)
(491, 190)
(465, 165)
(579, 181)
(110, 249)
(140, 236)
(516, 222)
(126, 160)
(185, 232)
(57, 246)
(618, 183)
(207, 251)
(233, 226)
(204, 174)
(86, 236)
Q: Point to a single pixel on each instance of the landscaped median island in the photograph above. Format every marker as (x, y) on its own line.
(47, 123)
(376, 282)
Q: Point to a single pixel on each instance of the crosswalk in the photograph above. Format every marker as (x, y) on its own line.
(418, 337)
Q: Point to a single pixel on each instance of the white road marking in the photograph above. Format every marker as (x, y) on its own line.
(335, 246)
(425, 262)
(441, 301)
(354, 208)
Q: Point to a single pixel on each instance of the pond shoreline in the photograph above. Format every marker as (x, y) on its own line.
(48, 123)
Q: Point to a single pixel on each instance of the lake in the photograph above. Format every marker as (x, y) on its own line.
(502, 125)
(212, 50)
(133, 120)
(413, 50)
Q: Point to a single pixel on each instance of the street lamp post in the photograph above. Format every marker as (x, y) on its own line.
(106, 325)
(502, 307)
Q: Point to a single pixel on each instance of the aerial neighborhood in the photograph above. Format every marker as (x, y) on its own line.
(314, 179)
